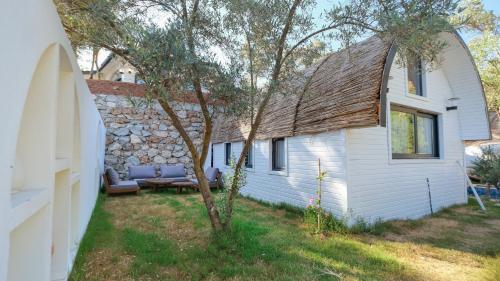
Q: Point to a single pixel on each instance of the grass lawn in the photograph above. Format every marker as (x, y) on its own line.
(166, 236)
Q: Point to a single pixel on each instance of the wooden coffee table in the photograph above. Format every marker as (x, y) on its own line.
(182, 184)
(159, 182)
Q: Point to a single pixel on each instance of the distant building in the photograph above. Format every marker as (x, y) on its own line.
(114, 68)
(473, 149)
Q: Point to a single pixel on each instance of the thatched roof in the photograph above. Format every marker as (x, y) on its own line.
(341, 91)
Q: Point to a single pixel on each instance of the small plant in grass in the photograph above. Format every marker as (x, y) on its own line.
(315, 215)
(328, 222)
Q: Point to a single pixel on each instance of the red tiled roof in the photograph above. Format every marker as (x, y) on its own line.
(105, 87)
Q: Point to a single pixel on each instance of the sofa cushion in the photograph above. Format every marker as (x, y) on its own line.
(172, 171)
(113, 176)
(211, 174)
(141, 172)
(125, 184)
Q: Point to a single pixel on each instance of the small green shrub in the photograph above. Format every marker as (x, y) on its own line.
(487, 166)
(328, 222)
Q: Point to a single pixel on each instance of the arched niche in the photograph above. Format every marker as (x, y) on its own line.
(31, 169)
(76, 146)
(66, 200)
(65, 108)
(32, 175)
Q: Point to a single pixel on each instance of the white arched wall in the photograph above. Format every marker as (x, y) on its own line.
(41, 84)
(461, 72)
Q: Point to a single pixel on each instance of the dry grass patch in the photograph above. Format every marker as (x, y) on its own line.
(107, 264)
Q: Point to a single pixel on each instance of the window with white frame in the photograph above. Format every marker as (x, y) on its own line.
(227, 153)
(414, 134)
(415, 76)
(278, 154)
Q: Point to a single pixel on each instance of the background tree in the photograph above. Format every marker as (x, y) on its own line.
(484, 45)
(264, 43)
(74, 22)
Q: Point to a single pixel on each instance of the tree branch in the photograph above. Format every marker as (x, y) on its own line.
(207, 134)
(258, 118)
(178, 126)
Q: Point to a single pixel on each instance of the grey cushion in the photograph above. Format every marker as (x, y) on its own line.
(125, 184)
(113, 176)
(211, 174)
(141, 172)
(172, 171)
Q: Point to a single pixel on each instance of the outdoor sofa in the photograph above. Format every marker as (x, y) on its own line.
(214, 177)
(141, 174)
(114, 185)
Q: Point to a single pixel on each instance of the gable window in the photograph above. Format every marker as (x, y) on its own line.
(249, 158)
(415, 76)
(413, 134)
(278, 154)
(227, 153)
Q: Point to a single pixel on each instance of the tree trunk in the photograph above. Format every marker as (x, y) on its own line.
(213, 214)
(95, 54)
(208, 199)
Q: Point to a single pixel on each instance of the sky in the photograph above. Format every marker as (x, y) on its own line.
(85, 57)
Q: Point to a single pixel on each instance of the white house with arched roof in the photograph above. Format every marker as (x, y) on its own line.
(383, 132)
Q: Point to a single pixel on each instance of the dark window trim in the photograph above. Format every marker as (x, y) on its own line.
(273, 155)
(249, 164)
(415, 155)
(227, 153)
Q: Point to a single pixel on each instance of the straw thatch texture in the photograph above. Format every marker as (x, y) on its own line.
(341, 91)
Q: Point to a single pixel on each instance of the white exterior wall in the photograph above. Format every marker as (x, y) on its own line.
(464, 81)
(299, 183)
(51, 145)
(382, 187)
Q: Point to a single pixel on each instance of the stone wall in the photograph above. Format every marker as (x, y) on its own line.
(139, 133)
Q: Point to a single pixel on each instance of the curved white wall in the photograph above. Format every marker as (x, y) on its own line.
(464, 81)
(51, 144)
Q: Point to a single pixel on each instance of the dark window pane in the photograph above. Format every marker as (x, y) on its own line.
(249, 158)
(278, 154)
(228, 154)
(414, 76)
(402, 132)
(425, 135)
(212, 156)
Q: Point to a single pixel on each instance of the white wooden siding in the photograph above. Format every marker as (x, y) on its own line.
(382, 187)
(299, 183)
